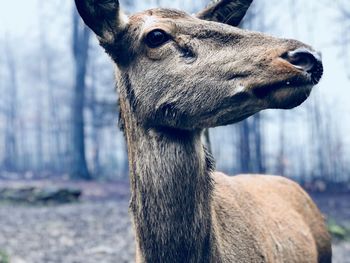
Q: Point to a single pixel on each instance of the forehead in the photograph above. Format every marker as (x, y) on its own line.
(161, 13)
(151, 17)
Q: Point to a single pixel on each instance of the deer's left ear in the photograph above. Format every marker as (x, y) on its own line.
(102, 16)
(229, 12)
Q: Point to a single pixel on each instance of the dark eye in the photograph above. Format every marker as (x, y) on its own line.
(156, 38)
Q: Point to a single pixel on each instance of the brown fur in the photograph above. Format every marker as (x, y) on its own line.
(207, 74)
(283, 223)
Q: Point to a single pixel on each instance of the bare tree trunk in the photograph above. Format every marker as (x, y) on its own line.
(258, 142)
(39, 133)
(55, 126)
(244, 147)
(11, 154)
(96, 119)
(281, 158)
(81, 35)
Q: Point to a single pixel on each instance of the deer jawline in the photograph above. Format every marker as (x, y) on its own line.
(283, 95)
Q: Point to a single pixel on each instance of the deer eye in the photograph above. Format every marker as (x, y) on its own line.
(156, 38)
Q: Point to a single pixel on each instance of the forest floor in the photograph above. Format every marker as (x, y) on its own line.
(98, 228)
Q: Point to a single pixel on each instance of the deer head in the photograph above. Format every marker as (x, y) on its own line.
(192, 72)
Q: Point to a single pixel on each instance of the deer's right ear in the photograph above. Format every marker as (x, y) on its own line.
(229, 12)
(102, 16)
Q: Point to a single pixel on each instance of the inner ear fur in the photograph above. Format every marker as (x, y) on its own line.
(229, 12)
(104, 17)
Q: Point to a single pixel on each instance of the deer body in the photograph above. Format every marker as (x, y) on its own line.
(184, 212)
(177, 75)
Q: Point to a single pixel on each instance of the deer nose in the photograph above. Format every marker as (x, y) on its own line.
(306, 60)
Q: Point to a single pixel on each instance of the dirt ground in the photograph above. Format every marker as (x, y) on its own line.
(98, 229)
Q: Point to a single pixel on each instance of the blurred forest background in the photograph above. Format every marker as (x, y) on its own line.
(58, 110)
(60, 142)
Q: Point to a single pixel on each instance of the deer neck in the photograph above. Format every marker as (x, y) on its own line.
(171, 192)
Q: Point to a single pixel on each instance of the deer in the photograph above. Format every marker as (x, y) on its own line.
(178, 74)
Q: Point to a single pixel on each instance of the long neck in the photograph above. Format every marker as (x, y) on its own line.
(171, 193)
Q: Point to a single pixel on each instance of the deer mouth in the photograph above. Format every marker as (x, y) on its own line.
(284, 94)
(291, 92)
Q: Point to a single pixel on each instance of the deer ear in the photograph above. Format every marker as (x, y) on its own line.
(102, 16)
(229, 12)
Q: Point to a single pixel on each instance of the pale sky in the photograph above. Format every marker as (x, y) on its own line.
(17, 17)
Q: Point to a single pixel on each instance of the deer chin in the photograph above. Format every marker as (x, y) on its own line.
(289, 97)
(283, 95)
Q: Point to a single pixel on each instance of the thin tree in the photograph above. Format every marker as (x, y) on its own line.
(48, 71)
(11, 112)
(80, 47)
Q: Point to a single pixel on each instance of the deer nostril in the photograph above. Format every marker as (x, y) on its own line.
(306, 60)
(302, 59)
